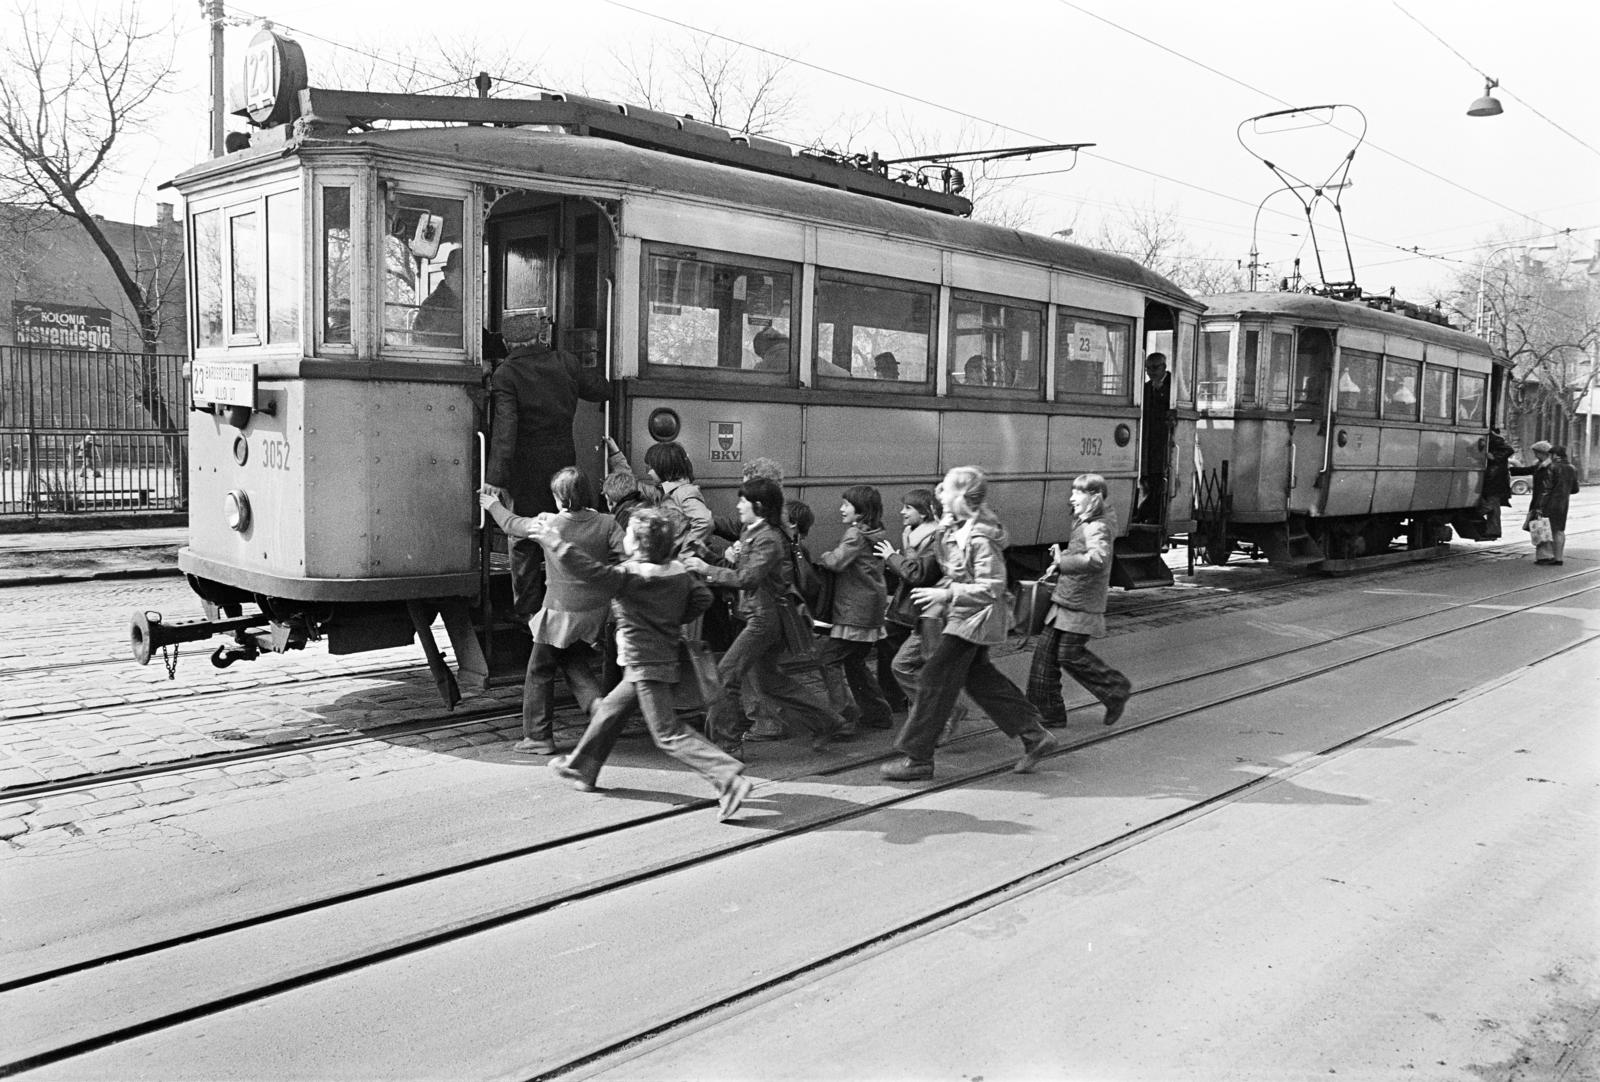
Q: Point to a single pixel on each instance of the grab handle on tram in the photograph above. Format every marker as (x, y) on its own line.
(483, 474)
(606, 355)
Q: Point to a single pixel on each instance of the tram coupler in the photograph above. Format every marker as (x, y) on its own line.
(150, 633)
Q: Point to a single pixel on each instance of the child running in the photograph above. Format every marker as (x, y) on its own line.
(654, 595)
(859, 597)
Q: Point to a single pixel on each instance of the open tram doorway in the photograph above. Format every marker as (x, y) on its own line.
(1156, 416)
(554, 256)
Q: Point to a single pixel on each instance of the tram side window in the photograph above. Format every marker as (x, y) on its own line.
(1473, 396)
(994, 345)
(283, 267)
(1438, 392)
(718, 315)
(1400, 389)
(1211, 384)
(423, 271)
(1248, 364)
(1358, 382)
(208, 279)
(1092, 356)
(870, 331)
(337, 254)
(1274, 386)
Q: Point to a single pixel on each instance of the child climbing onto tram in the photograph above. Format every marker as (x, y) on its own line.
(654, 595)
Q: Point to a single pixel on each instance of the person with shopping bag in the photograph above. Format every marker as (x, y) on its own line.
(1077, 611)
(972, 600)
(1537, 524)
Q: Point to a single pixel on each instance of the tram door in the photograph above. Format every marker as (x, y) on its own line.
(551, 257)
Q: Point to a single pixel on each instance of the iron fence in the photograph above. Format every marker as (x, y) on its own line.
(82, 431)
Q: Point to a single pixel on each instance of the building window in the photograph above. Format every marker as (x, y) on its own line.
(870, 330)
(994, 346)
(1093, 356)
(711, 313)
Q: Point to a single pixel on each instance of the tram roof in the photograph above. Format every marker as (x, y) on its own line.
(581, 158)
(1310, 308)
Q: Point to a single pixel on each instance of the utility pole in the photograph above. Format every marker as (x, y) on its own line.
(212, 10)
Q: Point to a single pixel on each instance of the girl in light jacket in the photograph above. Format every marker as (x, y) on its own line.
(972, 598)
(859, 596)
(1077, 611)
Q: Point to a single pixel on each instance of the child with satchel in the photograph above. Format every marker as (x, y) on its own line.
(653, 596)
(1077, 611)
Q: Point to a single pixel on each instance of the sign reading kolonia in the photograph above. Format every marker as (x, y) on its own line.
(61, 326)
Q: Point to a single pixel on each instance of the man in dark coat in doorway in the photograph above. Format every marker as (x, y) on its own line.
(535, 393)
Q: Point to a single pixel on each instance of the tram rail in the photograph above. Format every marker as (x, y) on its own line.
(108, 972)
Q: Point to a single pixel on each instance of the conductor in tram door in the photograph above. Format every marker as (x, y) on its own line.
(569, 624)
(971, 599)
(1157, 410)
(759, 566)
(534, 396)
(438, 321)
(1077, 611)
(653, 596)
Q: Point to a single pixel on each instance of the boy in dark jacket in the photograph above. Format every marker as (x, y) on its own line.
(654, 595)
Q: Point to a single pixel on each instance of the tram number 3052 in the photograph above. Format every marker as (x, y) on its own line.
(1091, 448)
(275, 454)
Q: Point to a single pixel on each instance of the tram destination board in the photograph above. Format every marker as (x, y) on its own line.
(223, 383)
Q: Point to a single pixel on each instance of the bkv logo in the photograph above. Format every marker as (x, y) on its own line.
(727, 440)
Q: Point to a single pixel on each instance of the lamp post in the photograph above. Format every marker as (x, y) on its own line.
(1256, 221)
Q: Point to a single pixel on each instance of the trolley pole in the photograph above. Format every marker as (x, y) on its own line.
(212, 10)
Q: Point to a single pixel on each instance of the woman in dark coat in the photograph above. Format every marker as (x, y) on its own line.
(1544, 472)
(1558, 494)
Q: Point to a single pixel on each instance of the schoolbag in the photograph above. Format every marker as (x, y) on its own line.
(814, 584)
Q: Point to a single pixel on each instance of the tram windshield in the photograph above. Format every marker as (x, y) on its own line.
(423, 270)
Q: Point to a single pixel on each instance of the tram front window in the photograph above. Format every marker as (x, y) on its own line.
(1211, 387)
(423, 271)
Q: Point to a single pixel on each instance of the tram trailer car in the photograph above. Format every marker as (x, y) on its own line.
(1328, 428)
(743, 300)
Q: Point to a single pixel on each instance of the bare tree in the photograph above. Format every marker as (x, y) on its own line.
(443, 64)
(1154, 237)
(1544, 319)
(710, 80)
(71, 94)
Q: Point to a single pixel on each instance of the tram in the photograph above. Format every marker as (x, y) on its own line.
(744, 300)
(1328, 428)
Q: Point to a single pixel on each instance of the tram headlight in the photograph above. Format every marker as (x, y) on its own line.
(236, 510)
(1122, 434)
(664, 425)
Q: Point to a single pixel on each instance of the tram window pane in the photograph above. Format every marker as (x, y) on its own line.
(1211, 388)
(423, 271)
(336, 259)
(1092, 356)
(994, 345)
(718, 315)
(283, 267)
(1183, 364)
(1247, 368)
(208, 279)
(1473, 395)
(1438, 392)
(873, 332)
(1400, 389)
(245, 272)
(1358, 382)
(527, 274)
(1273, 390)
(1313, 366)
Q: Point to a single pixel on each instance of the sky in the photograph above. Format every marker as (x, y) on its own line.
(1159, 86)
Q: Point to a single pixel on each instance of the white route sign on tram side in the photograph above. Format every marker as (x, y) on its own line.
(223, 383)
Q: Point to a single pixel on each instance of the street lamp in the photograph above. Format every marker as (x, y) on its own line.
(1488, 105)
(1256, 221)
